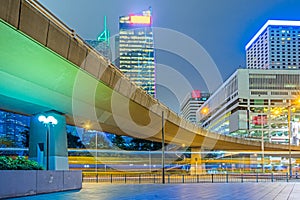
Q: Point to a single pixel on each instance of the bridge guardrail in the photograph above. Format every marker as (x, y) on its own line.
(71, 33)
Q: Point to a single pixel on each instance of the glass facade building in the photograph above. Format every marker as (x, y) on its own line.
(14, 130)
(136, 50)
(102, 47)
(275, 46)
(252, 102)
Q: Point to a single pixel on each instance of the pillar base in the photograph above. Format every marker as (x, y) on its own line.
(196, 162)
(57, 142)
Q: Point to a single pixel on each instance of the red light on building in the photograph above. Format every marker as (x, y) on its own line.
(139, 19)
(260, 120)
(196, 94)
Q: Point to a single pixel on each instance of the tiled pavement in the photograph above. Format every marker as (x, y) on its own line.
(231, 191)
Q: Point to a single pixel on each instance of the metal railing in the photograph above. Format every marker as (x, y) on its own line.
(127, 178)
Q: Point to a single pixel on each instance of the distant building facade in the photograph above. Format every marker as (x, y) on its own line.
(14, 130)
(102, 47)
(192, 103)
(275, 46)
(252, 102)
(136, 50)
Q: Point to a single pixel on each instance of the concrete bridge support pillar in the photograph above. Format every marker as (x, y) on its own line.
(48, 138)
(196, 162)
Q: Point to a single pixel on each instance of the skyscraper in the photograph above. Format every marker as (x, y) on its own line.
(102, 44)
(192, 103)
(136, 49)
(275, 46)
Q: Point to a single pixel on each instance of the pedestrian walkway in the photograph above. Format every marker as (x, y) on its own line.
(230, 191)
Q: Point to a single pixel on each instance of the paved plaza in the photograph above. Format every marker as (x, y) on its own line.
(232, 191)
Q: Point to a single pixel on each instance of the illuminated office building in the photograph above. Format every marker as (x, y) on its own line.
(253, 101)
(136, 50)
(275, 46)
(14, 130)
(191, 104)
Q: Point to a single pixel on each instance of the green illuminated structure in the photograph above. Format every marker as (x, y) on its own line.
(102, 44)
(104, 36)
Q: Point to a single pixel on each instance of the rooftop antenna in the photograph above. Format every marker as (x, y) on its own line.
(104, 36)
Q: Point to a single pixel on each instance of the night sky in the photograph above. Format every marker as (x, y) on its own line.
(221, 27)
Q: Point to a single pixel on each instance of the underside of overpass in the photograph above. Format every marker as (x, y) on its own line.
(44, 67)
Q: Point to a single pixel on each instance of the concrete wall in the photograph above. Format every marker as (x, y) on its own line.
(9, 11)
(16, 183)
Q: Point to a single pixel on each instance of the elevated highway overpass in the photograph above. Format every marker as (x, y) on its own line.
(44, 65)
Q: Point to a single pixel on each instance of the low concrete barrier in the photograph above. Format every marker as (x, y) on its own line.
(16, 183)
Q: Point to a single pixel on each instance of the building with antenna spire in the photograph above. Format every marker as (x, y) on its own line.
(135, 48)
(104, 36)
(102, 44)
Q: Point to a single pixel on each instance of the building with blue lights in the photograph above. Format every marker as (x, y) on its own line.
(275, 46)
(135, 49)
(14, 130)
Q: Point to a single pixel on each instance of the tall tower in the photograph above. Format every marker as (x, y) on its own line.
(275, 46)
(104, 36)
(102, 44)
(136, 49)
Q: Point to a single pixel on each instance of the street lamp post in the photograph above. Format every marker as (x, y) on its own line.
(196, 159)
(86, 127)
(150, 162)
(96, 164)
(262, 145)
(47, 121)
(289, 135)
(296, 102)
(163, 146)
